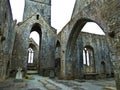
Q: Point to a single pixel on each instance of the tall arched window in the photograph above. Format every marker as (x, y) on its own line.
(88, 59)
(58, 59)
(31, 55)
(34, 54)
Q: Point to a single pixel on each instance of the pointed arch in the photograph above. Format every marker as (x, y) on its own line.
(70, 45)
(36, 27)
(58, 58)
(103, 67)
(58, 43)
(34, 48)
(30, 55)
(75, 33)
(88, 59)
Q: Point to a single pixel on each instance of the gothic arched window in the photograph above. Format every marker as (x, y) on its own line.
(30, 55)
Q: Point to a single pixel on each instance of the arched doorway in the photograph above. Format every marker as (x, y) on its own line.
(58, 59)
(31, 63)
(34, 48)
(103, 68)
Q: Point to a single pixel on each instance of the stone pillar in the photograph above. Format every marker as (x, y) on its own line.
(117, 73)
(0, 44)
(116, 61)
(1, 66)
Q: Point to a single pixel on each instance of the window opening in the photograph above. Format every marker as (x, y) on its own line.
(37, 17)
(30, 55)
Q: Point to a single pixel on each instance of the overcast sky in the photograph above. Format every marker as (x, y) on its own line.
(61, 12)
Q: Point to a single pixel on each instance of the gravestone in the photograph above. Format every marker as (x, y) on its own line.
(19, 74)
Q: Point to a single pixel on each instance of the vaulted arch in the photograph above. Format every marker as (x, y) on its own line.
(75, 33)
(36, 27)
(58, 43)
(34, 47)
(70, 45)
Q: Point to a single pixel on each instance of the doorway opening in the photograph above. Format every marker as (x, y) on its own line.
(33, 64)
(58, 59)
(103, 67)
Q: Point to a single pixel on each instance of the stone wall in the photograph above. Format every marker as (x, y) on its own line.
(34, 50)
(109, 13)
(7, 38)
(106, 14)
(46, 47)
(101, 53)
(42, 7)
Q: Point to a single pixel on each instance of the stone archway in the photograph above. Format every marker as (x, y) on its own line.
(58, 59)
(103, 67)
(32, 63)
(71, 42)
(37, 28)
(73, 35)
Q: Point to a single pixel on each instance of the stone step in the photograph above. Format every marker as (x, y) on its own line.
(31, 68)
(32, 72)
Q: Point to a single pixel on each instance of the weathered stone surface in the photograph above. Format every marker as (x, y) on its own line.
(7, 37)
(51, 87)
(105, 14)
(34, 89)
(45, 56)
(42, 7)
(61, 53)
(20, 84)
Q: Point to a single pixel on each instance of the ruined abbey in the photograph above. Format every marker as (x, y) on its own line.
(70, 54)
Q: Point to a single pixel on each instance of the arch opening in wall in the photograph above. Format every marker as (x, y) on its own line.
(58, 50)
(35, 36)
(58, 59)
(37, 16)
(77, 28)
(103, 68)
(36, 33)
(93, 28)
(71, 42)
(35, 47)
(88, 60)
(58, 44)
(30, 55)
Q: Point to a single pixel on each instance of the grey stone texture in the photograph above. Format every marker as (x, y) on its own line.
(7, 37)
(46, 47)
(44, 83)
(100, 53)
(74, 63)
(42, 7)
(61, 53)
(106, 14)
